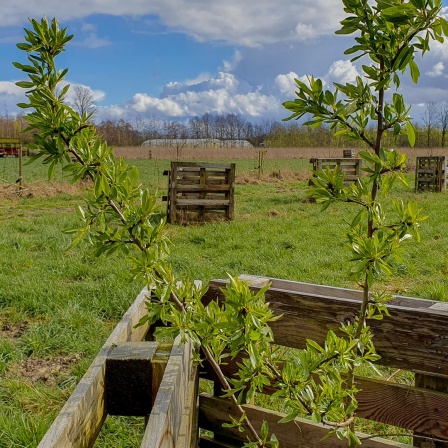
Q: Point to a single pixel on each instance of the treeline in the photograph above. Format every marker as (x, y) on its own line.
(430, 133)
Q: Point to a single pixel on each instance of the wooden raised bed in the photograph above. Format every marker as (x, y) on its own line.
(172, 398)
(197, 191)
(414, 338)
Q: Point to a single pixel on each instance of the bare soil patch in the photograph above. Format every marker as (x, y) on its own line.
(46, 370)
(13, 330)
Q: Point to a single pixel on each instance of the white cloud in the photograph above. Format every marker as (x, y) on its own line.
(229, 66)
(286, 84)
(249, 23)
(10, 95)
(93, 41)
(202, 77)
(440, 49)
(342, 72)
(437, 70)
(220, 95)
(305, 31)
(9, 88)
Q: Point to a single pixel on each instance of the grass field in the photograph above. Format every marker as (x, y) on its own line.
(57, 307)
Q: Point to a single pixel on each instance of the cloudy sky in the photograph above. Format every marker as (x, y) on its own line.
(174, 59)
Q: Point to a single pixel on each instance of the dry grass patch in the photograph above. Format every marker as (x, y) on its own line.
(42, 189)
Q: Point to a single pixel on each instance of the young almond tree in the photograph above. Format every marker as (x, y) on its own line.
(389, 34)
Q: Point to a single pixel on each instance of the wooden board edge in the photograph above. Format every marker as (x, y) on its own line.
(300, 433)
(164, 423)
(79, 421)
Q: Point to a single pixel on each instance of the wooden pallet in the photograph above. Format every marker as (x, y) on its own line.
(199, 191)
(414, 338)
(430, 174)
(350, 167)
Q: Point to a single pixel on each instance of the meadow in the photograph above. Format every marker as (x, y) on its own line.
(57, 307)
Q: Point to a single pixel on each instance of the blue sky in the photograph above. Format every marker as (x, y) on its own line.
(174, 59)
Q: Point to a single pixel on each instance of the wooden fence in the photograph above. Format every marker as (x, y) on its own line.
(197, 191)
(351, 167)
(414, 338)
(430, 174)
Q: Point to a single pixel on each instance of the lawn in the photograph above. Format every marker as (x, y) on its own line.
(57, 307)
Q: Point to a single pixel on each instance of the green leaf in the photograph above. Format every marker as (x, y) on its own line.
(415, 72)
(399, 15)
(288, 418)
(410, 132)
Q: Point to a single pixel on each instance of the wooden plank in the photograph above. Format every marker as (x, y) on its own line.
(405, 406)
(332, 291)
(189, 430)
(231, 195)
(213, 412)
(81, 418)
(164, 424)
(434, 384)
(412, 408)
(202, 202)
(184, 165)
(205, 188)
(172, 214)
(411, 339)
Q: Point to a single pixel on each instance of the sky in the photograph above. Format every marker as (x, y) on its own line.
(176, 59)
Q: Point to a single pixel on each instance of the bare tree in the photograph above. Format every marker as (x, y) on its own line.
(83, 100)
(430, 118)
(443, 121)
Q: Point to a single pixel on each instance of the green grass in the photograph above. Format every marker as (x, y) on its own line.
(59, 303)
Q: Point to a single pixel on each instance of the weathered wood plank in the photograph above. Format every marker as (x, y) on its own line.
(202, 202)
(82, 416)
(300, 433)
(412, 338)
(164, 424)
(206, 188)
(408, 407)
(434, 384)
(332, 291)
(412, 408)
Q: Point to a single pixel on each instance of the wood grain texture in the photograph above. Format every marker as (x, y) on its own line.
(164, 424)
(415, 409)
(413, 339)
(300, 433)
(80, 420)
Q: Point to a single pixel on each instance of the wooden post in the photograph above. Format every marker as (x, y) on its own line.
(172, 193)
(129, 378)
(20, 171)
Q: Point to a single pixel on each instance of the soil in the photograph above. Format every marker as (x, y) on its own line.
(34, 369)
(46, 370)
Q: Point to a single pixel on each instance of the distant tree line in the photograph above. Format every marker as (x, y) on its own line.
(431, 130)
